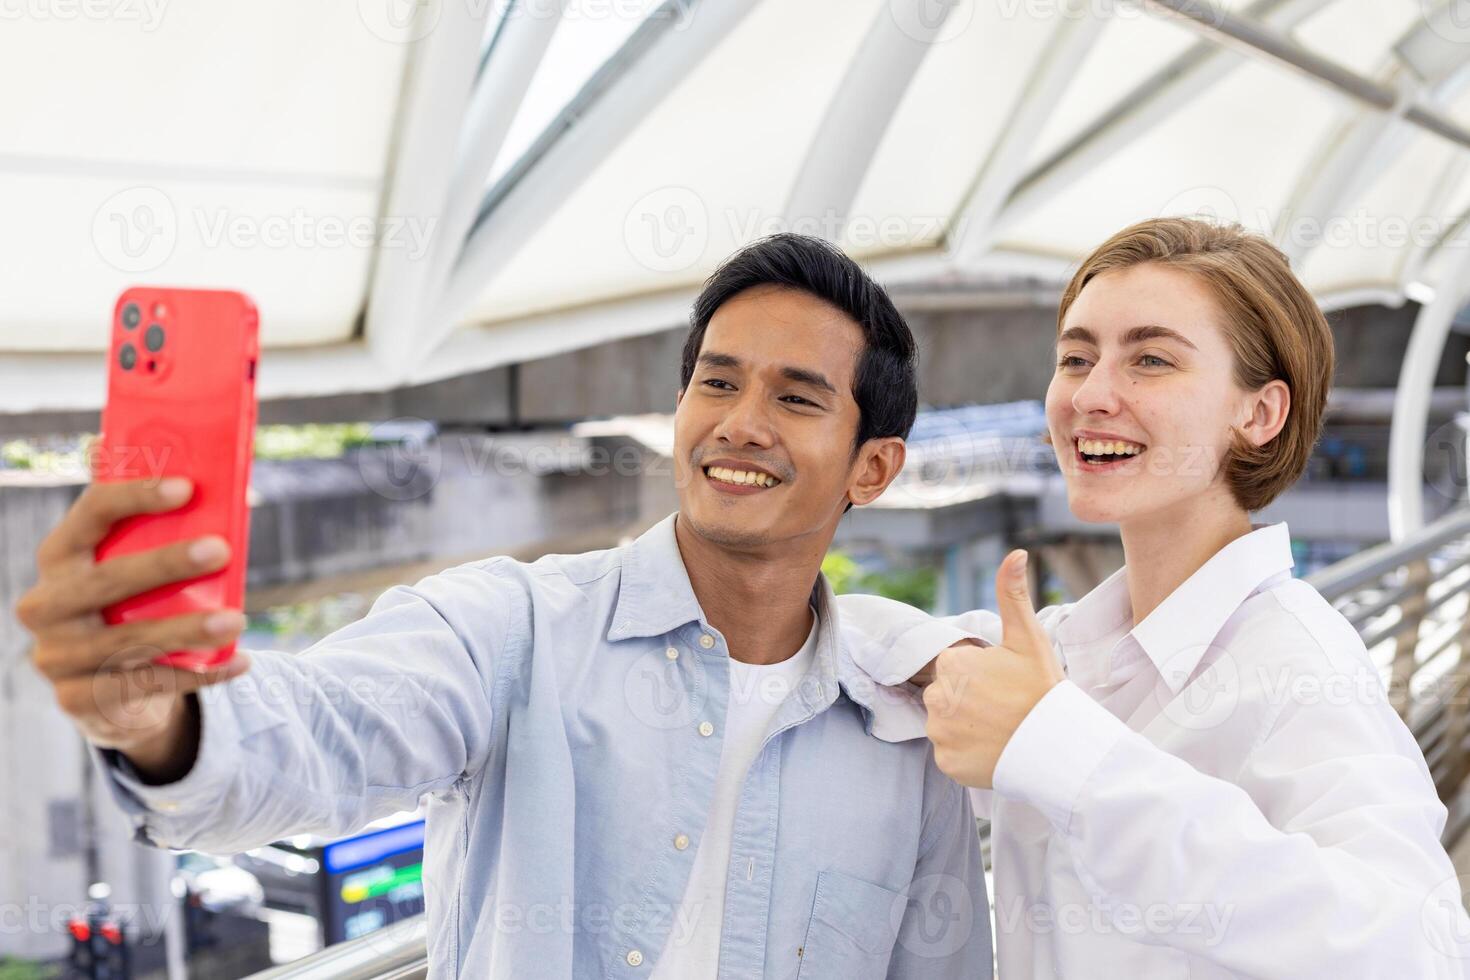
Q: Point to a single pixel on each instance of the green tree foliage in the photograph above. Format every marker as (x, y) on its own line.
(919, 587)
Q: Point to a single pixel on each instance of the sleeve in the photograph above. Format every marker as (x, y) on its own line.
(1339, 872)
(945, 930)
(900, 640)
(357, 727)
(890, 641)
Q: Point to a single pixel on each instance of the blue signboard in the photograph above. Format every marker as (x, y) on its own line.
(372, 880)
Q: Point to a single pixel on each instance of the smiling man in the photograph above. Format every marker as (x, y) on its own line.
(655, 761)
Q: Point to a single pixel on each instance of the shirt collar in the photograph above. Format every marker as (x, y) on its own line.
(834, 672)
(656, 597)
(1177, 634)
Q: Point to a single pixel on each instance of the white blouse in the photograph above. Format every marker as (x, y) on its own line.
(1222, 790)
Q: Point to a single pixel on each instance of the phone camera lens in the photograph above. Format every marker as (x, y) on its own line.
(154, 337)
(128, 356)
(131, 315)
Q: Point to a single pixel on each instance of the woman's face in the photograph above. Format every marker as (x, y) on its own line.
(1144, 400)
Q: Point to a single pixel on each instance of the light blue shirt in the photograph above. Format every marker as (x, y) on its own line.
(564, 720)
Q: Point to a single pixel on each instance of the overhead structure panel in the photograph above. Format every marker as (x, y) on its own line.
(708, 169)
(196, 144)
(258, 146)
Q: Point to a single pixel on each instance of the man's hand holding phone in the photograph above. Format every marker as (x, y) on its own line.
(103, 676)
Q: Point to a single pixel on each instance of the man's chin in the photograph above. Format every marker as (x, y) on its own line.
(725, 532)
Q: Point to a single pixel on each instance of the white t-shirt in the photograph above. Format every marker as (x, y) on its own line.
(756, 692)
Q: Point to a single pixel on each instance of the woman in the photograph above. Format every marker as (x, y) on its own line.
(1195, 772)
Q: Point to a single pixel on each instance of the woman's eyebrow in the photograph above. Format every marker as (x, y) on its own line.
(1152, 331)
(1133, 335)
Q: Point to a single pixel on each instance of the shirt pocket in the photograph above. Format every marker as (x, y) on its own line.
(852, 929)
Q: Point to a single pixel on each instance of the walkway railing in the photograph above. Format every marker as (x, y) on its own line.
(1411, 604)
(396, 952)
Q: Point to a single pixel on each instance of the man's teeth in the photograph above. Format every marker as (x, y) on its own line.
(1104, 447)
(744, 477)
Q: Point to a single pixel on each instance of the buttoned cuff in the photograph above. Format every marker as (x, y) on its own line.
(1055, 751)
(895, 663)
(161, 813)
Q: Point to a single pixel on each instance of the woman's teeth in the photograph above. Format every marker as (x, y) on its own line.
(1104, 447)
(742, 477)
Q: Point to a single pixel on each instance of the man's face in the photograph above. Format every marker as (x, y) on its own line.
(763, 434)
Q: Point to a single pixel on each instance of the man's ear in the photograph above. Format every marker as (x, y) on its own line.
(879, 462)
(678, 398)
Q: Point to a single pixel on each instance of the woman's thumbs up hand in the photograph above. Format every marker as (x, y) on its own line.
(980, 695)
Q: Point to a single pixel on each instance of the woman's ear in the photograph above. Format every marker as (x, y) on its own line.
(1269, 408)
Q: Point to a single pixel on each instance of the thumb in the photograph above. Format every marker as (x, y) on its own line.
(1020, 629)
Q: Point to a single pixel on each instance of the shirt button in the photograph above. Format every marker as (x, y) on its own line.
(168, 806)
(681, 842)
(635, 958)
(706, 641)
(671, 653)
(706, 729)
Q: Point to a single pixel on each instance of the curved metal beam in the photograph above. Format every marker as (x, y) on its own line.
(665, 48)
(866, 99)
(510, 65)
(1267, 42)
(1138, 111)
(1445, 187)
(1411, 402)
(1053, 72)
(1363, 147)
(436, 89)
(1350, 157)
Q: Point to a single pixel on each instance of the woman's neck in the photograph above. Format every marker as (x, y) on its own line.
(1163, 549)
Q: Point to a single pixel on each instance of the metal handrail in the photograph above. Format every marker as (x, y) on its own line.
(1400, 578)
(1368, 567)
(395, 952)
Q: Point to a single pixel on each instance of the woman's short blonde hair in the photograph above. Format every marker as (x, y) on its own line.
(1274, 325)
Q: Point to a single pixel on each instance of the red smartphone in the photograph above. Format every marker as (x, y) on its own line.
(181, 402)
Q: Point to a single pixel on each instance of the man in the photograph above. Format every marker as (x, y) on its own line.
(650, 761)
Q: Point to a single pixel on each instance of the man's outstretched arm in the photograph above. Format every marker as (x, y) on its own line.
(389, 708)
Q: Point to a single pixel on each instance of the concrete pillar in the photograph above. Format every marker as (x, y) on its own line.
(967, 578)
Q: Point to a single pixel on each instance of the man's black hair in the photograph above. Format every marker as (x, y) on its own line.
(885, 385)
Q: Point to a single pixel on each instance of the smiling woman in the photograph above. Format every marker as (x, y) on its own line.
(1145, 753)
(1208, 327)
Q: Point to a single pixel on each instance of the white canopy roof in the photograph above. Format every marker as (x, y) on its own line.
(472, 186)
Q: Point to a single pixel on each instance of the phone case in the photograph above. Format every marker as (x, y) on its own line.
(181, 402)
